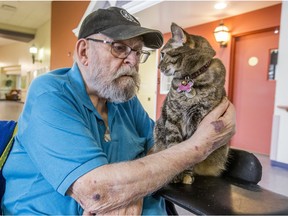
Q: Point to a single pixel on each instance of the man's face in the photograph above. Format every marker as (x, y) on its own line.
(109, 77)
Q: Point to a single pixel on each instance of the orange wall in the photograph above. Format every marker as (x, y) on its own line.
(65, 16)
(248, 22)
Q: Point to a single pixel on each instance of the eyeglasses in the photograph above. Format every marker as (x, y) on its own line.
(120, 50)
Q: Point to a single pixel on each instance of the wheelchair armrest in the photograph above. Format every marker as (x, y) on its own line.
(234, 192)
(243, 166)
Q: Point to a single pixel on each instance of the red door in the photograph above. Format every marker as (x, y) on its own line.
(253, 94)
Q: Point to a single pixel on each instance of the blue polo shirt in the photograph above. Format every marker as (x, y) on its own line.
(61, 137)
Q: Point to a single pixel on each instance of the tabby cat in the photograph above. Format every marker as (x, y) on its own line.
(197, 87)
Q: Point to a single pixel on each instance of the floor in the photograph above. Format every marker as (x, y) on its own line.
(10, 110)
(273, 178)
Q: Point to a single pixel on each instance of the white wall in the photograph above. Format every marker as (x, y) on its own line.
(148, 88)
(279, 147)
(18, 53)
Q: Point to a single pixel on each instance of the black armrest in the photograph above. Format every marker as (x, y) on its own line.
(243, 166)
(231, 193)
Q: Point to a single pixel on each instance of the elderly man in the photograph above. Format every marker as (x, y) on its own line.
(84, 137)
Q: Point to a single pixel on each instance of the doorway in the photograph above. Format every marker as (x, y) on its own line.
(253, 90)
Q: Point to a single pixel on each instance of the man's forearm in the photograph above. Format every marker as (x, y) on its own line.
(114, 185)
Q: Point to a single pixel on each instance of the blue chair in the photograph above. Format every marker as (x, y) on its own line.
(8, 129)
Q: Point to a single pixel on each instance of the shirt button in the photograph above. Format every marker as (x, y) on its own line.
(101, 123)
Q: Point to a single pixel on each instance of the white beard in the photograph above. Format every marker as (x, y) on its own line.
(119, 88)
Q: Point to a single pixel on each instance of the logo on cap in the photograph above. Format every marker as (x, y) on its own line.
(128, 16)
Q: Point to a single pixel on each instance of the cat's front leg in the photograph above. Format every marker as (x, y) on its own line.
(159, 137)
(173, 134)
(185, 177)
(188, 176)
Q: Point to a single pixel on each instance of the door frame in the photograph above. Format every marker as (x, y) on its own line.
(233, 59)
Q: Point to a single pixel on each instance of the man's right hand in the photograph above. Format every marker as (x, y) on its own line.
(134, 208)
(216, 129)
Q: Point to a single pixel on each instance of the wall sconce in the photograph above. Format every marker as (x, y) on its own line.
(221, 34)
(33, 50)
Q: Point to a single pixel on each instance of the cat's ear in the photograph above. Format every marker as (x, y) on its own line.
(178, 34)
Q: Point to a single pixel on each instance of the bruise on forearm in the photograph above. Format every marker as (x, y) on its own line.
(96, 196)
(110, 187)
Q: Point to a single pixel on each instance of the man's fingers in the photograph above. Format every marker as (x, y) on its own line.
(230, 112)
(221, 108)
(231, 116)
(217, 112)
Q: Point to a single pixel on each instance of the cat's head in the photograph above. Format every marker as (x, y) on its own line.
(175, 53)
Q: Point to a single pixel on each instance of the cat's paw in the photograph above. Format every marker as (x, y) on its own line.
(175, 180)
(188, 179)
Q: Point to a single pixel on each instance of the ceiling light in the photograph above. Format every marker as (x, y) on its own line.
(220, 5)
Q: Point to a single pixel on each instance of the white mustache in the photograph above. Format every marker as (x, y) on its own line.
(126, 72)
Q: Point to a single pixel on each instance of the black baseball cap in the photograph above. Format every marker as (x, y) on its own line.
(118, 24)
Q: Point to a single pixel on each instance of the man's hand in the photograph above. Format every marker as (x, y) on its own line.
(134, 208)
(217, 128)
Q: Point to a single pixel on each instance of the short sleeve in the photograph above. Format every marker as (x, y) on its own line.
(59, 141)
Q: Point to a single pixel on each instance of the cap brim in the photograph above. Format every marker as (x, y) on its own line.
(152, 38)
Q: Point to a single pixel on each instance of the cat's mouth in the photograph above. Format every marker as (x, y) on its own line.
(168, 72)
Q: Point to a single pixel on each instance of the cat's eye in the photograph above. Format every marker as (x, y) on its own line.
(174, 60)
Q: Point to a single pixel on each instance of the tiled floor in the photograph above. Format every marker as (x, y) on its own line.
(10, 110)
(273, 178)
